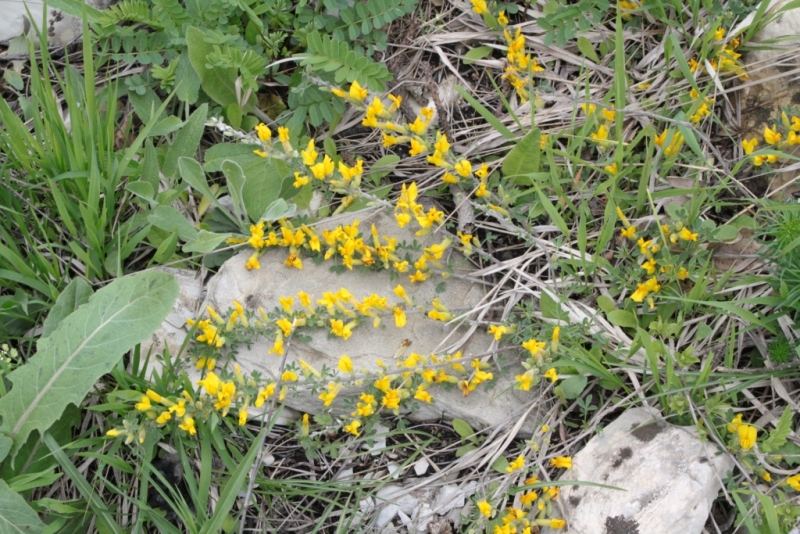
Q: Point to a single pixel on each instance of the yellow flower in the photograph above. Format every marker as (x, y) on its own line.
(242, 416)
(551, 374)
(113, 433)
(324, 168)
(497, 331)
(562, 462)
(338, 328)
(188, 425)
(283, 134)
(749, 146)
(483, 172)
(766, 476)
(277, 347)
(163, 418)
(211, 383)
(525, 381)
(687, 235)
(418, 276)
(794, 482)
(557, 523)
(299, 181)
(399, 317)
(416, 148)
(609, 114)
(252, 262)
(289, 376)
(747, 436)
(484, 507)
(285, 325)
(502, 20)
(391, 399)
(527, 499)
(310, 154)
(612, 169)
(719, 34)
(482, 191)
(601, 135)
(345, 364)
(588, 109)
(463, 168)
(772, 136)
(479, 6)
(328, 396)
(629, 232)
(304, 424)
(535, 347)
(358, 92)
(516, 465)
(649, 266)
(263, 132)
(683, 273)
(383, 384)
(422, 395)
(352, 428)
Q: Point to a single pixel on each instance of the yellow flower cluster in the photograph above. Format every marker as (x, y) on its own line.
(535, 507)
(540, 355)
(163, 411)
(648, 249)
(521, 66)
(726, 58)
(704, 110)
(604, 121)
(675, 143)
(746, 434)
(775, 137)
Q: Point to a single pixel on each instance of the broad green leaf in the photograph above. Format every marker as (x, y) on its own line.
(782, 430)
(142, 190)
(622, 318)
(186, 141)
(606, 304)
(476, 53)
(206, 242)
(218, 83)
(236, 180)
(464, 449)
(573, 386)
(192, 173)
(170, 220)
(383, 167)
(74, 295)
(166, 126)
(5, 447)
(16, 515)
(550, 308)
(278, 209)
(726, 232)
(85, 346)
(586, 48)
(462, 428)
(524, 157)
(500, 465)
(188, 87)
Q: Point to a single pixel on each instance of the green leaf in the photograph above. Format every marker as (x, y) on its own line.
(278, 209)
(485, 113)
(236, 180)
(586, 48)
(206, 242)
(573, 386)
(606, 304)
(500, 465)
(74, 295)
(171, 220)
(188, 87)
(726, 232)
(782, 430)
(463, 429)
(218, 83)
(186, 141)
(15, 514)
(476, 53)
(142, 190)
(464, 449)
(166, 126)
(550, 308)
(383, 167)
(192, 173)
(524, 157)
(85, 346)
(622, 318)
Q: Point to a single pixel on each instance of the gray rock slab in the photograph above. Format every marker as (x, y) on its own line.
(262, 288)
(61, 28)
(669, 475)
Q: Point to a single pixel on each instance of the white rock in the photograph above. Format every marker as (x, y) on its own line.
(172, 332)
(61, 29)
(386, 514)
(669, 475)
(421, 467)
(395, 470)
(263, 287)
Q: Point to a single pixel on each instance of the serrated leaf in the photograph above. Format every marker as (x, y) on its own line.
(622, 318)
(573, 386)
(778, 436)
(476, 53)
(85, 346)
(524, 157)
(15, 514)
(73, 296)
(462, 428)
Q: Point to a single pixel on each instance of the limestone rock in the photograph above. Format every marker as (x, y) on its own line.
(172, 331)
(670, 479)
(262, 288)
(61, 28)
